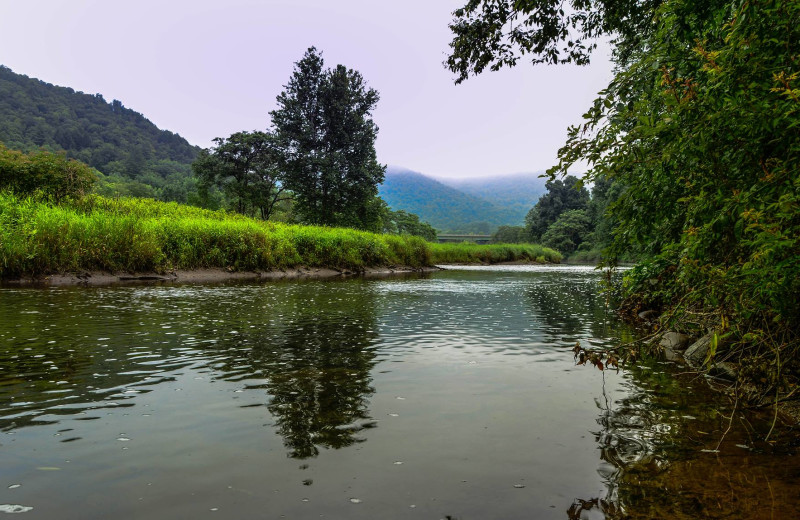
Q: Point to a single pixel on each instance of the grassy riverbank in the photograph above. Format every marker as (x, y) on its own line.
(467, 253)
(141, 235)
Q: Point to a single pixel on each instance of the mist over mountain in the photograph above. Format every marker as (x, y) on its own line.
(515, 192)
(462, 206)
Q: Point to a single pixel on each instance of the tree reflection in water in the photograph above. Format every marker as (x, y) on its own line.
(320, 382)
(314, 357)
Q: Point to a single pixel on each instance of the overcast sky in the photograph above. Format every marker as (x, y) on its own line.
(208, 68)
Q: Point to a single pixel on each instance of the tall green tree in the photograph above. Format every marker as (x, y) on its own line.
(326, 134)
(245, 166)
(510, 235)
(561, 196)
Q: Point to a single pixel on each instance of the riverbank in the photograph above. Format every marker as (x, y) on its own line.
(726, 369)
(468, 253)
(116, 240)
(210, 275)
(98, 234)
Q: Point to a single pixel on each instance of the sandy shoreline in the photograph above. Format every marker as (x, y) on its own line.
(211, 275)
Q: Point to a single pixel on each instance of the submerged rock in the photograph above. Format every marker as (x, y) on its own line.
(672, 355)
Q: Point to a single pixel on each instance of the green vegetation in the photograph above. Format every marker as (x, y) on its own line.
(43, 172)
(569, 219)
(510, 235)
(325, 144)
(697, 134)
(468, 253)
(135, 157)
(98, 233)
(561, 196)
(245, 168)
(403, 223)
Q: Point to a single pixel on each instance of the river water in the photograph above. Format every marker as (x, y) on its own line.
(448, 395)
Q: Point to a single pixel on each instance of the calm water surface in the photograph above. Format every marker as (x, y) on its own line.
(454, 393)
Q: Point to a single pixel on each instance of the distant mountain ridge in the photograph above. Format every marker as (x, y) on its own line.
(35, 114)
(515, 192)
(468, 205)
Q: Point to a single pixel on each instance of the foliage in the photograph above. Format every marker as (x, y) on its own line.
(50, 174)
(97, 233)
(561, 196)
(494, 33)
(570, 230)
(510, 235)
(326, 136)
(121, 143)
(469, 253)
(699, 130)
(404, 223)
(245, 167)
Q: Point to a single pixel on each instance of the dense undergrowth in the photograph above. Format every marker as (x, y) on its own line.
(96, 233)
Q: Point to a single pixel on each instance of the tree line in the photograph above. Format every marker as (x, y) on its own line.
(570, 219)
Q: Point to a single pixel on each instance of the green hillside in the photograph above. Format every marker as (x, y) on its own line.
(518, 192)
(135, 156)
(450, 209)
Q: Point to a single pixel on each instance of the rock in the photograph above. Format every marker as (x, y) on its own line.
(724, 370)
(648, 315)
(671, 355)
(674, 340)
(698, 351)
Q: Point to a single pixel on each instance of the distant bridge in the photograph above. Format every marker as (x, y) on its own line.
(478, 239)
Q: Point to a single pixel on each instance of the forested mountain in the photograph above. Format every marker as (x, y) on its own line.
(518, 192)
(121, 143)
(444, 207)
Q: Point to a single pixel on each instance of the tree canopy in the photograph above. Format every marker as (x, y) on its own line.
(246, 167)
(46, 173)
(324, 128)
(561, 196)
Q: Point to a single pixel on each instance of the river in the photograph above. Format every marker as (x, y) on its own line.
(452, 394)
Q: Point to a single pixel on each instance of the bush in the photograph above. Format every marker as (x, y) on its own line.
(52, 175)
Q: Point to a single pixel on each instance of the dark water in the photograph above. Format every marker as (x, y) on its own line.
(450, 394)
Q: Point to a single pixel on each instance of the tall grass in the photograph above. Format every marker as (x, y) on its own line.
(132, 235)
(136, 235)
(468, 253)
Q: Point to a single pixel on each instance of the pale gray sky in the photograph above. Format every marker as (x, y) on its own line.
(208, 68)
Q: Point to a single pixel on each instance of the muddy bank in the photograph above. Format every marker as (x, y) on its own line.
(210, 275)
